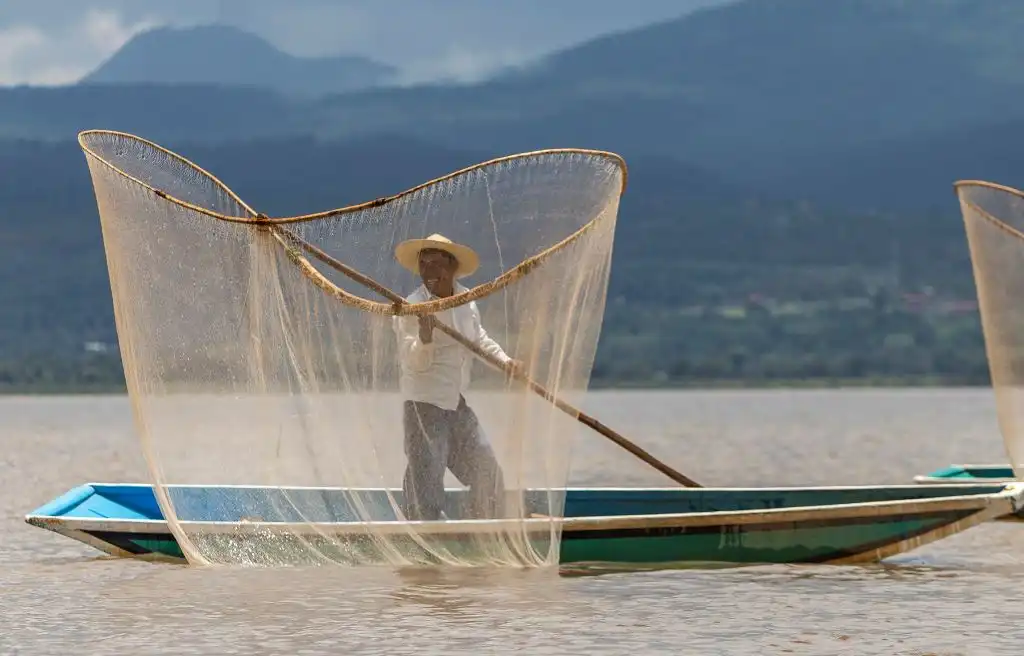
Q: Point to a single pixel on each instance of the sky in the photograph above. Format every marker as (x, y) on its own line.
(46, 42)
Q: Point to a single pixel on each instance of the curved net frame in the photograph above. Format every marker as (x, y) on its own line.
(269, 357)
(994, 218)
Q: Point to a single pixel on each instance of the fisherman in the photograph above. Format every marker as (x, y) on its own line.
(441, 430)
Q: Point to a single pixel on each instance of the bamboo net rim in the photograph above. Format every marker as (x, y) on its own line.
(993, 186)
(340, 211)
(291, 243)
(987, 185)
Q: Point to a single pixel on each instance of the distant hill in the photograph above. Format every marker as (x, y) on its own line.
(913, 173)
(158, 112)
(222, 55)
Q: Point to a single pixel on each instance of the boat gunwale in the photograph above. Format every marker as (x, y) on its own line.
(986, 465)
(72, 497)
(571, 488)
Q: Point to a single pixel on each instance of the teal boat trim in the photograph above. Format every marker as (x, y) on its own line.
(990, 473)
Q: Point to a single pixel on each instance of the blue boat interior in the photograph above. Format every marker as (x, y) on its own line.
(232, 504)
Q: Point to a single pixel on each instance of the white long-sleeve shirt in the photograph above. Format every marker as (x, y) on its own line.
(438, 372)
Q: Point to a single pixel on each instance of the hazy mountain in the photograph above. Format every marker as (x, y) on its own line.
(798, 98)
(741, 88)
(912, 173)
(158, 112)
(221, 55)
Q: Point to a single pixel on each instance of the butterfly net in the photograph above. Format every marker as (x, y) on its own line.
(994, 218)
(289, 408)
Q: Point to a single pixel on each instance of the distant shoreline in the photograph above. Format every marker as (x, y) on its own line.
(807, 383)
(880, 382)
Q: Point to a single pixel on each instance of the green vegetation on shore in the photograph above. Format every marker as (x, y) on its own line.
(912, 340)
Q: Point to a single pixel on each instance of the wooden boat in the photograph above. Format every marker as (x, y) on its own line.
(969, 474)
(623, 527)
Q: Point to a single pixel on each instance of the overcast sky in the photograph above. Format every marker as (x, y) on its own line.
(58, 41)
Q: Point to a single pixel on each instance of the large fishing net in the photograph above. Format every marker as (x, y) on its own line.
(282, 361)
(994, 218)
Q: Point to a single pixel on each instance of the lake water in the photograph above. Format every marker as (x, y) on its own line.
(957, 596)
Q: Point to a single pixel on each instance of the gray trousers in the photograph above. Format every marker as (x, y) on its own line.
(437, 439)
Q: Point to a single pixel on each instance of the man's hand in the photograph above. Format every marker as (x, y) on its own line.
(426, 329)
(516, 368)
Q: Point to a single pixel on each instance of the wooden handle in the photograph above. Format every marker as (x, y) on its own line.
(583, 418)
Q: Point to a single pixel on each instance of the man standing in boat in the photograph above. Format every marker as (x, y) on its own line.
(441, 430)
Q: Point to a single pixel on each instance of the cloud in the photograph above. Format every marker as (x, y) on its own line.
(105, 30)
(465, 65)
(16, 44)
(30, 55)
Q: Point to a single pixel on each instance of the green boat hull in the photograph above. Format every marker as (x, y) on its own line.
(824, 542)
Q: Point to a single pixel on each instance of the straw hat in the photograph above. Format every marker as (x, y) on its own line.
(408, 253)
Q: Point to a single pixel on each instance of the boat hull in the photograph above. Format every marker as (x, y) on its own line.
(972, 475)
(629, 527)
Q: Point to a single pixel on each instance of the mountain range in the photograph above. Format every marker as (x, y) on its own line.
(759, 92)
(765, 138)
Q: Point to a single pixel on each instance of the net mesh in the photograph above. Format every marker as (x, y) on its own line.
(994, 219)
(281, 359)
